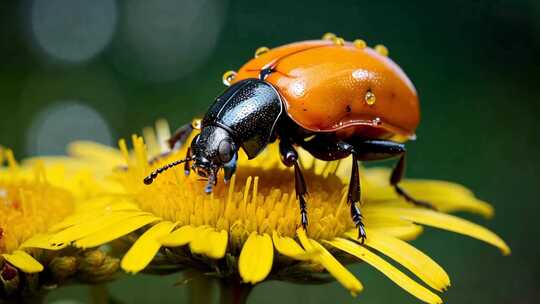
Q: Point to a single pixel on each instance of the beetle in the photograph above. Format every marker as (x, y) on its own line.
(331, 97)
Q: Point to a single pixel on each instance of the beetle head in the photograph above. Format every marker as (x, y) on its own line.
(211, 150)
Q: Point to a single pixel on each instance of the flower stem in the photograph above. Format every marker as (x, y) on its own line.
(234, 292)
(200, 289)
(99, 294)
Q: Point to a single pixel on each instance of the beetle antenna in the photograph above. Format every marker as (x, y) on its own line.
(152, 176)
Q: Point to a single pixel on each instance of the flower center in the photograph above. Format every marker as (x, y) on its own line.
(261, 197)
(29, 208)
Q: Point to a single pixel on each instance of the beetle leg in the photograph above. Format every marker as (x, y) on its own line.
(325, 148)
(230, 167)
(301, 191)
(395, 178)
(176, 141)
(353, 197)
(289, 157)
(187, 166)
(180, 136)
(384, 149)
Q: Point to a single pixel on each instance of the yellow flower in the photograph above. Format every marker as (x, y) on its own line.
(30, 206)
(248, 229)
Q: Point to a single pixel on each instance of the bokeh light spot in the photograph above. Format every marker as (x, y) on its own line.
(56, 126)
(163, 40)
(73, 30)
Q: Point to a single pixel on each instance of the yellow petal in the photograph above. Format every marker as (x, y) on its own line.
(448, 222)
(105, 155)
(387, 269)
(399, 228)
(256, 258)
(92, 225)
(290, 248)
(145, 248)
(108, 204)
(287, 246)
(23, 261)
(333, 266)
(91, 213)
(179, 237)
(217, 241)
(407, 233)
(446, 196)
(411, 258)
(42, 241)
(208, 241)
(112, 232)
(199, 242)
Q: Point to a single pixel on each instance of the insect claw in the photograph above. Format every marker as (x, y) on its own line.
(362, 234)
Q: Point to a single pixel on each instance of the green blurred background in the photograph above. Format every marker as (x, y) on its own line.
(103, 69)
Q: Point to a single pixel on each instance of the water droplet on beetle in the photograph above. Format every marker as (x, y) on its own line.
(329, 36)
(370, 98)
(381, 49)
(339, 41)
(359, 43)
(228, 77)
(260, 51)
(196, 123)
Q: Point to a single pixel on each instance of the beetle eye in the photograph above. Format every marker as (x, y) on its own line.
(225, 151)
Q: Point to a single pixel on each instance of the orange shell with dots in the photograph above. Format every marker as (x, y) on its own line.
(324, 86)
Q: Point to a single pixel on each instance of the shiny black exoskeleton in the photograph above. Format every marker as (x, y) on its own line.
(249, 115)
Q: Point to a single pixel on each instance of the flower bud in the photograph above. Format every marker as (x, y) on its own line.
(63, 267)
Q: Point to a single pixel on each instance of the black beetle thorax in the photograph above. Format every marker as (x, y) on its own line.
(249, 111)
